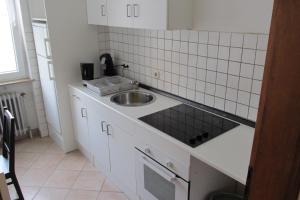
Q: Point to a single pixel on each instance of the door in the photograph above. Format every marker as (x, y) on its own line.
(120, 13)
(41, 39)
(97, 12)
(275, 162)
(80, 121)
(122, 157)
(48, 85)
(98, 135)
(150, 14)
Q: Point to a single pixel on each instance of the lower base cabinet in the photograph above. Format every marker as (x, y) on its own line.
(111, 148)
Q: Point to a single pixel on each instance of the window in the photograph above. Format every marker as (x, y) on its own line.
(12, 51)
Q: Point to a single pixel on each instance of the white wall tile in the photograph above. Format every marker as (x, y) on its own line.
(212, 64)
(243, 97)
(212, 51)
(221, 79)
(248, 56)
(254, 100)
(201, 62)
(230, 107)
(245, 84)
(220, 91)
(193, 36)
(242, 110)
(262, 42)
(231, 94)
(200, 86)
(258, 72)
(250, 41)
(234, 68)
(223, 53)
(184, 47)
(233, 81)
(236, 40)
(260, 57)
(252, 114)
(203, 37)
(201, 74)
(222, 66)
(225, 39)
(193, 48)
(176, 35)
(168, 45)
(213, 38)
(219, 103)
(247, 70)
(202, 49)
(235, 54)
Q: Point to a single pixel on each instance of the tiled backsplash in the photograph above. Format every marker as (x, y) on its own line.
(219, 69)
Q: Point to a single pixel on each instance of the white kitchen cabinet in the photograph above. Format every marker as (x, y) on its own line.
(120, 13)
(146, 14)
(97, 12)
(121, 151)
(98, 136)
(80, 122)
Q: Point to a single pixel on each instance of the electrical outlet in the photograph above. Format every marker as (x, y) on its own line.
(156, 74)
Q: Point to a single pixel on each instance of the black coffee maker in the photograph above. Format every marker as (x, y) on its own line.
(110, 70)
(87, 71)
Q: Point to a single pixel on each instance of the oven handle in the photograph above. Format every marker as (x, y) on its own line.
(158, 169)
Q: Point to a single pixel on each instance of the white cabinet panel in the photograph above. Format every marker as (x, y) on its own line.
(120, 13)
(98, 135)
(49, 92)
(97, 12)
(80, 121)
(122, 157)
(42, 42)
(151, 14)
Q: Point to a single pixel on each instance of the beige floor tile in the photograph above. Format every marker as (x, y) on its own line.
(88, 180)
(54, 149)
(62, 179)
(36, 177)
(72, 161)
(89, 167)
(52, 194)
(25, 160)
(35, 145)
(20, 171)
(47, 161)
(29, 192)
(112, 196)
(82, 195)
(108, 186)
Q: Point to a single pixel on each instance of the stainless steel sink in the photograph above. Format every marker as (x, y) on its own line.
(133, 98)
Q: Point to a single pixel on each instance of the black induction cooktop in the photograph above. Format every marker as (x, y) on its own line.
(190, 125)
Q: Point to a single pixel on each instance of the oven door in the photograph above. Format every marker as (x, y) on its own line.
(155, 182)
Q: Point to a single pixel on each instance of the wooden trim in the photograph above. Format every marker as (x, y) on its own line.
(275, 161)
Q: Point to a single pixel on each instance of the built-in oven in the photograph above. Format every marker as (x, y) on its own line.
(156, 182)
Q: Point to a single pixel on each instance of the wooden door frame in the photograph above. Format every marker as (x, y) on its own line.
(275, 162)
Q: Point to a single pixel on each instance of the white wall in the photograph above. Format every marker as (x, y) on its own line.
(72, 41)
(246, 16)
(37, 8)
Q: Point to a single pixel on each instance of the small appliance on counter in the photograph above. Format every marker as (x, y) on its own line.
(87, 71)
(109, 70)
(110, 85)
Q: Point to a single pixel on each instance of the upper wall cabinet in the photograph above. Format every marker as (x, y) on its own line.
(97, 12)
(146, 14)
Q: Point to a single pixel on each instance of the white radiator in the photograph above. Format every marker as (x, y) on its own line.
(15, 104)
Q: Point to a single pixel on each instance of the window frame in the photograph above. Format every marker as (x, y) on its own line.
(15, 20)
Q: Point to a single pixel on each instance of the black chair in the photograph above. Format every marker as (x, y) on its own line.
(7, 159)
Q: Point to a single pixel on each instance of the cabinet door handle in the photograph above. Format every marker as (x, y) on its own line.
(102, 126)
(47, 48)
(51, 70)
(83, 112)
(107, 129)
(102, 11)
(128, 9)
(136, 10)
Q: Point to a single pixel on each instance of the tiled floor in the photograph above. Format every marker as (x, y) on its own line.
(46, 173)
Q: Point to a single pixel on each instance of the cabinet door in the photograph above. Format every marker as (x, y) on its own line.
(122, 158)
(49, 92)
(150, 14)
(120, 13)
(80, 125)
(97, 12)
(98, 135)
(41, 39)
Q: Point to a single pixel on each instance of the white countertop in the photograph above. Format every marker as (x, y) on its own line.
(229, 153)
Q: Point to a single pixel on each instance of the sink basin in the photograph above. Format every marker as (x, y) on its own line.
(133, 98)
